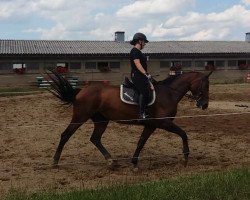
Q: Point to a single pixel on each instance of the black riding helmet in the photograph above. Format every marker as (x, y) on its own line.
(137, 37)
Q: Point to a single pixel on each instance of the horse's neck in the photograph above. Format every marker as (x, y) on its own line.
(179, 88)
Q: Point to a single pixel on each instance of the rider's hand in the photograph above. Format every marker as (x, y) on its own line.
(148, 76)
(152, 87)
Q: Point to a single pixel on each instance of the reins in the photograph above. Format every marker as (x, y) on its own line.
(190, 96)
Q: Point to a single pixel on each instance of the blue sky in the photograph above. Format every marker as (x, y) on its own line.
(99, 19)
(214, 6)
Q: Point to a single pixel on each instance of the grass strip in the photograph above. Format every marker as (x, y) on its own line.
(8, 92)
(227, 185)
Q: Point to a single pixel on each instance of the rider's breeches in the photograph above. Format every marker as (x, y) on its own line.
(142, 84)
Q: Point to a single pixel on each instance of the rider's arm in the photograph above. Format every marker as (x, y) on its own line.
(139, 66)
(142, 70)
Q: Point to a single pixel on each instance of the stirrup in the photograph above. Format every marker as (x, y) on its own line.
(143, 115)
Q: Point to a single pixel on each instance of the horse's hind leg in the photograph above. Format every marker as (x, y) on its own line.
(100, 125)
(171, 127)
(69, 131)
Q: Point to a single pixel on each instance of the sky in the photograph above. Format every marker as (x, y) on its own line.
(179, 20)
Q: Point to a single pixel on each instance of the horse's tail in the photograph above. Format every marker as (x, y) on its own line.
(61, 88)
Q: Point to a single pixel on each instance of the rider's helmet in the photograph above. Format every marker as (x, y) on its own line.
(137, 37)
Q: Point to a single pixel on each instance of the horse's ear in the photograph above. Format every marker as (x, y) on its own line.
(207, 76)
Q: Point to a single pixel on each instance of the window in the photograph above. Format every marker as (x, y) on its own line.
(32, 66)
(199, 64)
(210, 62)
(220, 64)
(75, 65)
(6, 66)
(19, 65)
(90, 65)
(19, 68)
(232, 64)
(50, 66)
(62, 67)
(63, 64)
(186, 64)
(176, 63)
(209, 65)
(114, 65)
(103, 66)
(242, 64)
(164, 64)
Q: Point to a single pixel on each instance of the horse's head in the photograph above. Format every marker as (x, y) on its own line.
(200, 90)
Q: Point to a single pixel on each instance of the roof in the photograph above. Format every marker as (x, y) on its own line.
(81, 47)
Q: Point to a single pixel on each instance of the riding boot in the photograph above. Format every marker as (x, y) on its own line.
(142, 105)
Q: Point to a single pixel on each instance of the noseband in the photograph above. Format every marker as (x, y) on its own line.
(199, 94)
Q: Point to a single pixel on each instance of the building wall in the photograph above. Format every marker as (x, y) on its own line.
(116, 76)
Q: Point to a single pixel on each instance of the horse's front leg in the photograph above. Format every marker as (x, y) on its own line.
(69, 131)
(171, 127)
(142, 141)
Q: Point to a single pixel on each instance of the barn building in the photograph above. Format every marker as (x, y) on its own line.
(109, 60)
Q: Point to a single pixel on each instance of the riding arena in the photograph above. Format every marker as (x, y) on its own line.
(104, 147)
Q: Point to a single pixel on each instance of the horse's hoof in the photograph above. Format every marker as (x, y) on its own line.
(55, 165)
(110, 162)
(185, 163)
(135, 169)
(186, 158)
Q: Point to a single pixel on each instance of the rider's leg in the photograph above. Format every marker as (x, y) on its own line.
(142, 107)
(142, 85)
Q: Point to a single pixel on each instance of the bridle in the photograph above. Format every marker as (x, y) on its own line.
(199, 94)
(190, 96)
(197, 97)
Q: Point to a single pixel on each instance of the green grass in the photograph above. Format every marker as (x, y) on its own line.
(228, 185)
(5, 92)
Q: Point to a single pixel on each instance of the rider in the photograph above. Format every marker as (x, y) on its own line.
(139, 74)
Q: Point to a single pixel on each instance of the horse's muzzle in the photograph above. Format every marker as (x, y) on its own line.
(202, 103)
(204, 106)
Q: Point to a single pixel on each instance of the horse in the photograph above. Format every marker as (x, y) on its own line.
(102, 104)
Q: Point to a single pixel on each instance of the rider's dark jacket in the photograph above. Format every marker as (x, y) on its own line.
(140, 80)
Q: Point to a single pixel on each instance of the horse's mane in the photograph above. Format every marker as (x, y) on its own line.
(169, 79)
(172, 78)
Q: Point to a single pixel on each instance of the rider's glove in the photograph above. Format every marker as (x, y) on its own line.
(148, 76)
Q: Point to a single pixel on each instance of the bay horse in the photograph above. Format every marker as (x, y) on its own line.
(101, 104)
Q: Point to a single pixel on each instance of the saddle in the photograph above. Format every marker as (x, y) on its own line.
(130, 95)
